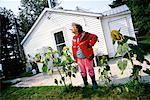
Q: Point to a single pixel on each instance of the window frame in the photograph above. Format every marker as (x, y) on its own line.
(57, 31)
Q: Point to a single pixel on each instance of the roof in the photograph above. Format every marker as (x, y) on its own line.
(116, 10)
(113, 11)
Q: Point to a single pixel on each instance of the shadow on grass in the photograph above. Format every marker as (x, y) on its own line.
(59, 92)
(86, 92)
(143, 43)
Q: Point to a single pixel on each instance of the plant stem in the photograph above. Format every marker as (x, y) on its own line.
(130, 59)
(62, 77)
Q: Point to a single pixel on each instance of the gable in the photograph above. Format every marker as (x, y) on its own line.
(47, 10)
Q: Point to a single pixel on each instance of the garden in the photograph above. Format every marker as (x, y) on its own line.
(127, 52)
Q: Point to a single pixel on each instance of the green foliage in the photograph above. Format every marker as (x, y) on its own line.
(103, 61)
(127, 51)
(38, 57)
(45, 68)
(122, 65)
(135, 87)
(140, 11)
(138, 51)
(29, 12)
(143, 43)
(135, 72)
(104, 70)
(57, 62)
(10, 49)
(66, 63)
(122, 49)
(117, 3)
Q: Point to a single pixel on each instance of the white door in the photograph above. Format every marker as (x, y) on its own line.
(117, 24)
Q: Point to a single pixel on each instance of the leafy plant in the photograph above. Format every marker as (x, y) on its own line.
(38, 57)
(127, 50)
(104, 70)
(45, 58)
(66, 64)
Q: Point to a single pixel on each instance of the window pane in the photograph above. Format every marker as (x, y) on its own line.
(60, 47)
(59, 38)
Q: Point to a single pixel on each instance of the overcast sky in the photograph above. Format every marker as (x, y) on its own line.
(91, 5)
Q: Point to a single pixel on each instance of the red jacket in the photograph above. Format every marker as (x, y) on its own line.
(85, 41)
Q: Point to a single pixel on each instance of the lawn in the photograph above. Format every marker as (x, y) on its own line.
(144, 43)
(125, 92)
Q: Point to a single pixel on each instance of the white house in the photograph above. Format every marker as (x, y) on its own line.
(52, 28)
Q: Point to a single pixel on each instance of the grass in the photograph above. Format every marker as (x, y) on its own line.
(144, 43)
(77, 93)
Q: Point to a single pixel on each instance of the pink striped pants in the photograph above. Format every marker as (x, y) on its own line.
(85, 65)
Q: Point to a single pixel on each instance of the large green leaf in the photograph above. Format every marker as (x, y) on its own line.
(45, 68)
(57, 62)
(47, 55)
(122, 49)
(122, 65)
(103, 61)
(37, 57)
(70, 60)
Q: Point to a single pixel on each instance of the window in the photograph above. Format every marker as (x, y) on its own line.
(60, 42)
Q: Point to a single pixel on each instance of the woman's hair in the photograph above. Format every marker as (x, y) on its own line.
(79, 27)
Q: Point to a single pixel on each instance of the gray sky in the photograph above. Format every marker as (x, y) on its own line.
(11, 4)
(91, 5)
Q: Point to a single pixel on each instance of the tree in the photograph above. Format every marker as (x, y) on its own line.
(117, 3)
(10, 55)
(29, 12)
(139, 11)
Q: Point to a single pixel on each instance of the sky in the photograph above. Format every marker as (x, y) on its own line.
(91, 5)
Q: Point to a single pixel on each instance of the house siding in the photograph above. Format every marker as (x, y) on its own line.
(43, 33)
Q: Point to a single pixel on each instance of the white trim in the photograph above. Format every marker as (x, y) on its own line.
(56, 31)
(75, 12)
(60, 44)
(117, 14)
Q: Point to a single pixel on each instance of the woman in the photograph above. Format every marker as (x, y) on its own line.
(83, 52)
